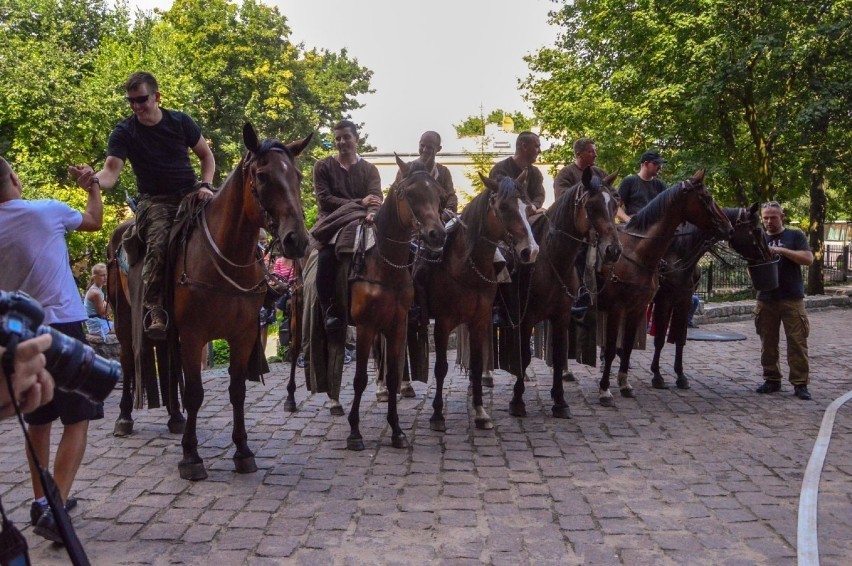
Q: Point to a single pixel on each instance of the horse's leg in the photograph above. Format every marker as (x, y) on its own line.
(613, 320)
(480, 331)
(394, 344)
(517, 407)
(661, 322)
(191, 467)
(682, 379)
(290, 402)
(363, 344)
(630, 328)
(244, 462)
(124, 422)
(559, 333)
(436, 421)
(177, 422)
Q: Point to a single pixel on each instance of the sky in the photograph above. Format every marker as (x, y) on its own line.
(430, 69)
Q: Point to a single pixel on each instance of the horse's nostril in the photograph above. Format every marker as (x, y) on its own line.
(525, 255)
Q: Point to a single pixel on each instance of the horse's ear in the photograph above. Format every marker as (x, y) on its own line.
(403, 166)
(610, 179)
(587, 176)
(250, 138)
(699, 176)
(489, 183)
(754, 208)
(522, 178)
(298, 147)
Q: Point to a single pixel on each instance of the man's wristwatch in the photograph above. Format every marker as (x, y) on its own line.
(205, 185)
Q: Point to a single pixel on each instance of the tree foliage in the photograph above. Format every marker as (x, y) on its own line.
(63, 64)
(757, 92)
(475, 125)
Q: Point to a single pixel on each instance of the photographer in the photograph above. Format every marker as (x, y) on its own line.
(35, 260)
(31, 383)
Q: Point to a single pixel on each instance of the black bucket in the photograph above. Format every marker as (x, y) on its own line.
(764, 276)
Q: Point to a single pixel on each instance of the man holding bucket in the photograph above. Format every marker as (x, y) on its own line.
(784, 305)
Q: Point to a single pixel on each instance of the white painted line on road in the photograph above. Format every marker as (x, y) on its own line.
(806, 539)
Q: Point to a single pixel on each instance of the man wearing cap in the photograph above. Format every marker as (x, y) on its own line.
(636, 191)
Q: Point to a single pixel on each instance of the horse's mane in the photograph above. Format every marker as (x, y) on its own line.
(475, 214)
(655, 209)
(269, 145)
(687, 238)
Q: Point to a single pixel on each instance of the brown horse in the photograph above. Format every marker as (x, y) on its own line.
(582, 216)
(382, 291)
(463, 285)
(629, 285)
(679, 277)
(220, 283)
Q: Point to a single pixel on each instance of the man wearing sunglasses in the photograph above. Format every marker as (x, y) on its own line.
(784, 305)
(157, 143)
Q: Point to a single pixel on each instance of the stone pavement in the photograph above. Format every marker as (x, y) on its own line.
(705, 476)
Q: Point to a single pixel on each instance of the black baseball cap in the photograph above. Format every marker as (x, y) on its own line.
(653, 157)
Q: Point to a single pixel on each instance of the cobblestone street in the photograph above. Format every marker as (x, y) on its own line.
(708, 476)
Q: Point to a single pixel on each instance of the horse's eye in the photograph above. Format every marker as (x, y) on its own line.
(263, 176)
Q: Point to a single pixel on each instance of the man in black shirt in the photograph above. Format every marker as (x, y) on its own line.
(156, 141)
(636, 191)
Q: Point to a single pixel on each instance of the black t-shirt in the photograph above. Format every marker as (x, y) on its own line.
(636, 193)
(790, 283)
(159, 154)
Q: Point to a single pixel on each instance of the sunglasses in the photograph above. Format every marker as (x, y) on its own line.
(771, 204)
(137, 99)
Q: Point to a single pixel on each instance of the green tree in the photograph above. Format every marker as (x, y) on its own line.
(475, 125)
(755, 91)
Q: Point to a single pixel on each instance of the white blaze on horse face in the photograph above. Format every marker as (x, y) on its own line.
(533, 246)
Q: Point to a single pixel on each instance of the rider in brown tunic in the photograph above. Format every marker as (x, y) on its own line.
(527, 148)
(585, 154)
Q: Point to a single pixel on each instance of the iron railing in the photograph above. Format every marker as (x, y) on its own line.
(725, 272)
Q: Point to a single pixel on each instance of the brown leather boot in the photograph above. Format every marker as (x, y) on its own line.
(157, 323)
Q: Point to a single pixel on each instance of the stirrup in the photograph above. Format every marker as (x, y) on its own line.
(155, 326)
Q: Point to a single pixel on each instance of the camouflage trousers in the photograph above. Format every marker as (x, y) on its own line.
(769, 316)
(154, 218)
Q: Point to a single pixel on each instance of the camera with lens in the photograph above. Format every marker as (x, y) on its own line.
(75, 366)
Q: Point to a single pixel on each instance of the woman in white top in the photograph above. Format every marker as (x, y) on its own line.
(96, 305)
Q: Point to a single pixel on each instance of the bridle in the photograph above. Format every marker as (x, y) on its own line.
(400, 192)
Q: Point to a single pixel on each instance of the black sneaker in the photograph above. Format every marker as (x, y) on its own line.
(801, 391)
(46, 527)
(36, 509)
(769, 387)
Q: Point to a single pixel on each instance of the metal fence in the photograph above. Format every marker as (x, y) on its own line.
(727, 274)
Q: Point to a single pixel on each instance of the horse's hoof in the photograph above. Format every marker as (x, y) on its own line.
(177, 424)
(438, 425)
(245, 465)
(627, 392)
(290, 405)
(607, 402)
(336, 409)
(192, 471)
(483, 423)
(561, 412)
(487, 381)
(517, 409)
(682, 383)
(407, 390)
(568, 376)
(659, 383)
(382, 396)
(123, 427)
(355, 443)
(400, 441)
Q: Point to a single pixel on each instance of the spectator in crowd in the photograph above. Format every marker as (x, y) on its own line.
(636, 191)
(96, 305)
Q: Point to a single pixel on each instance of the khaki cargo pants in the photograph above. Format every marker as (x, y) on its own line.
(768, 318)
(154, 218)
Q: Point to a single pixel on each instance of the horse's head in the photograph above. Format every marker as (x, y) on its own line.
(700, 208)
(600, 207)
(271, 175)
(748, 238)
(417, 199)
(507, 216)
